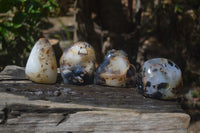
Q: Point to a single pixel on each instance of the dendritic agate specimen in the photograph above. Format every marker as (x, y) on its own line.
(77, 64)
(160, 78)
(41, 66)
(116, 70)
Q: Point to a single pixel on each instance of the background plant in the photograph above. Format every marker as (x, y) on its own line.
(19, 27)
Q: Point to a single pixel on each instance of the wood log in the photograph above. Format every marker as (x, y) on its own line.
(29, 107)
(58, 51)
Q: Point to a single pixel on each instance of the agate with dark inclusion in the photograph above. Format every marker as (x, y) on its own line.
(116, 70)
(77, 64)
(160, 78)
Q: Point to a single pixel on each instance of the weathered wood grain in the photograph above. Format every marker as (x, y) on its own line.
(30, 107)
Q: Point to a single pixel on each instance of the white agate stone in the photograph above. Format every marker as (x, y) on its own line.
(116, 70)
(41, 66)
(161, 79)
(77, 64)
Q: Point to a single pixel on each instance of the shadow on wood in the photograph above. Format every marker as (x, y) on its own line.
(27, 106)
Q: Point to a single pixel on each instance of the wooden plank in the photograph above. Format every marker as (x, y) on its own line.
(62, 118)
(97, 96)
(30, 107)
(99, 121)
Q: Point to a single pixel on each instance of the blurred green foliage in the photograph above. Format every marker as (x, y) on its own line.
(195, 94)
(19, 27)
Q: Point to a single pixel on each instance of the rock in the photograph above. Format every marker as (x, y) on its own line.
(41, 66)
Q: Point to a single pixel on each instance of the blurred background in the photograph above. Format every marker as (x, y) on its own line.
(143, 28)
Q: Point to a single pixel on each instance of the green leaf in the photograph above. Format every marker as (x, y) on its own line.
(178, 8)
(194, 94)
(5, 29)
(21, 0)
(53, 2)
(18, 19)
(29, 8)
(149, 30)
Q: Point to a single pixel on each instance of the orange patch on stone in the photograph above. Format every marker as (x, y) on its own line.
(47, 52)
(52, 67)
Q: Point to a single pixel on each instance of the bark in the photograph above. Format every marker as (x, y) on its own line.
(97, 20)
